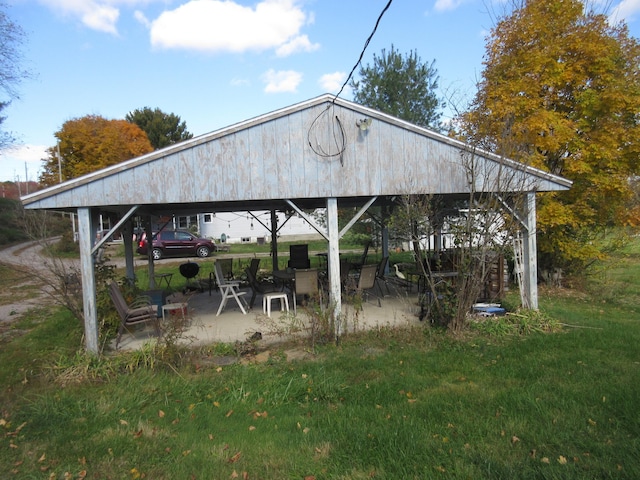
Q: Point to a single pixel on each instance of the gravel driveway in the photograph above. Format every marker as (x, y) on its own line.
(29, 291)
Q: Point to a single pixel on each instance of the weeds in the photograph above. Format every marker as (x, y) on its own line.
(522, 322)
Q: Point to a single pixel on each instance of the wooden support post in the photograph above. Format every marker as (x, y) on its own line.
(333, 257)
(86, 235)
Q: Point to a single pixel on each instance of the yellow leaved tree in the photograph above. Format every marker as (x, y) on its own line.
(90, 143)
(560, 91)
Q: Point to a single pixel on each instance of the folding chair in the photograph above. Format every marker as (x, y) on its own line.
(229, 290)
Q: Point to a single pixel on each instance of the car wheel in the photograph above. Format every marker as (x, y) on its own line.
(156, 253)
(202, 252)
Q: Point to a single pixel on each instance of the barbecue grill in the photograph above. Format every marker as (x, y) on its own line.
(190, 271)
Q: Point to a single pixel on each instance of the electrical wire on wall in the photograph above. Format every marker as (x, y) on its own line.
(337, 132)
(317, 137)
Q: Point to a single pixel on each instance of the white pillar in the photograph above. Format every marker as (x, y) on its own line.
(333, 258)
(86, 234)
(530, 252)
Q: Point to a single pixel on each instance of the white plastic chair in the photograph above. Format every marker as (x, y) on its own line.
(229, 290)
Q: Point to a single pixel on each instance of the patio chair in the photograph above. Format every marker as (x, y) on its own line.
(299, 256)
(366, 282)
(306, 285)
(346, 281)
(226, 264)
(357, 265)
(253, 266)
(259, 287)
(228, 290)
(381, 276)
(141, 310)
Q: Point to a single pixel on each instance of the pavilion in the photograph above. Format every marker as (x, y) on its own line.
(325, 152)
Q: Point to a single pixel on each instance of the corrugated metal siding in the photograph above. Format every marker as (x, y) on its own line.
(272, 159)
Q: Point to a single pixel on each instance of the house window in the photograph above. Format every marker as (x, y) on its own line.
(208, 218)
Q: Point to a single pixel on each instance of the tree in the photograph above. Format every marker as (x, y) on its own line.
(11, 74)
(560, 91)
(90, 143)
(401, 86)
(162, 129)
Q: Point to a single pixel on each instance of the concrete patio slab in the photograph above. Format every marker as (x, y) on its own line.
(398, 309)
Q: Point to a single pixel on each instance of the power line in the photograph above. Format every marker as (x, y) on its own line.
(366, 44)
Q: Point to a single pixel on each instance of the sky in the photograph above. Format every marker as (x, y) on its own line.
(218, 62)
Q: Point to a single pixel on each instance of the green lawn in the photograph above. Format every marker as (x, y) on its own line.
(384, 404)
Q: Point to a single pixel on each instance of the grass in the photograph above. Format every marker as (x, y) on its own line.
(413, 403)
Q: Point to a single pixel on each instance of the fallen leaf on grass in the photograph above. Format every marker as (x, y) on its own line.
(42, 458)
(16, 431)
(562, 460)
(545, 460)
(229, 413)
(514, 440)
(235, 457)
(161, 413)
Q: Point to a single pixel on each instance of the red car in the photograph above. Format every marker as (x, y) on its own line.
(176, 243)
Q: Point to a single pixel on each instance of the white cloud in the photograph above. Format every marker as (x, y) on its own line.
(101, 15)
(226, 26)
(141, 17)
(282, 81)
(297, 44)
(102, 18)
(14, 161)
(446, 5)
(331, 82)
(626, 10)
(240, 82)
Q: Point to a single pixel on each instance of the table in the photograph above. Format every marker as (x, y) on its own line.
(158, 277)
(170, 307)
(286, 278)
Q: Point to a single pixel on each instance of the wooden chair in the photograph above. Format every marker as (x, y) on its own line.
(228, 290)
(140, 311)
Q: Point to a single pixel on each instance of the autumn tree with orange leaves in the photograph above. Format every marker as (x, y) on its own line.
(91, 143)
(560, 91)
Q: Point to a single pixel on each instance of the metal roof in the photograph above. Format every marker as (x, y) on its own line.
(310, 151)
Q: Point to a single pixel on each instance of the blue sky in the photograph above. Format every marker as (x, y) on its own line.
(215, 62)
